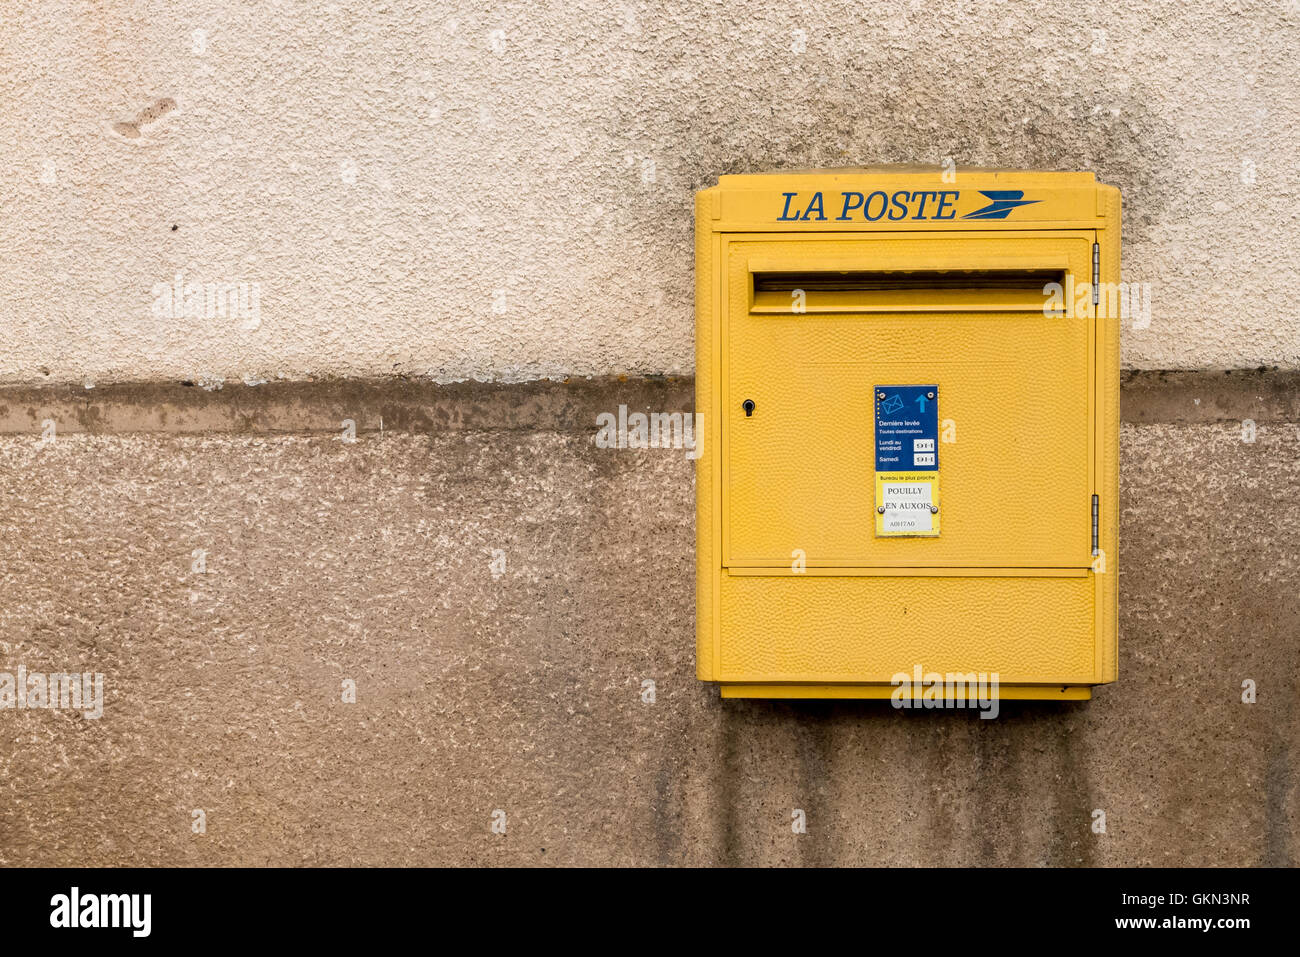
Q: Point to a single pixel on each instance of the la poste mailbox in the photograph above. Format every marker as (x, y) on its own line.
(910, 390)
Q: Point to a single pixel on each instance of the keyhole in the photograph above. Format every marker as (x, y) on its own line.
(748, 406)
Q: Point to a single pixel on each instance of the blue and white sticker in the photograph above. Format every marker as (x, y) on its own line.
(907, 460)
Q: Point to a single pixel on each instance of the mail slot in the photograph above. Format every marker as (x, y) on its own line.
(910, 388)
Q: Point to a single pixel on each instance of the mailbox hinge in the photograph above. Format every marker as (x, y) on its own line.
(1096, 273)
(1096, 511)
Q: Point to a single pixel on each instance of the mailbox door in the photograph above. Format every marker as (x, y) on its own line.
(962, 311)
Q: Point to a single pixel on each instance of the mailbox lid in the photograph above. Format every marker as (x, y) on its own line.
(893, 198)
(1015, 400)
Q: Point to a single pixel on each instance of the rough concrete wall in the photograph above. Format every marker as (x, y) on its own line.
(409, 194)
(522, 691)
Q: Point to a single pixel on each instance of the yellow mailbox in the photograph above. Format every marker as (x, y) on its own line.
(909, 383)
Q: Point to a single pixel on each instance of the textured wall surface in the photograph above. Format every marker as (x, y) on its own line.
(522, 690)
(409, 192)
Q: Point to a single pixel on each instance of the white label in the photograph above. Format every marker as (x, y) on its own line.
(923, 458)
(923, 445)
(907, 506)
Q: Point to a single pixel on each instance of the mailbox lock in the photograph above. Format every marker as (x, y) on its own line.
(748, 406)
(880, 509)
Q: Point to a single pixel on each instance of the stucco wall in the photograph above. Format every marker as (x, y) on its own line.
(520, 688)
(411, 195)
(406, 192)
